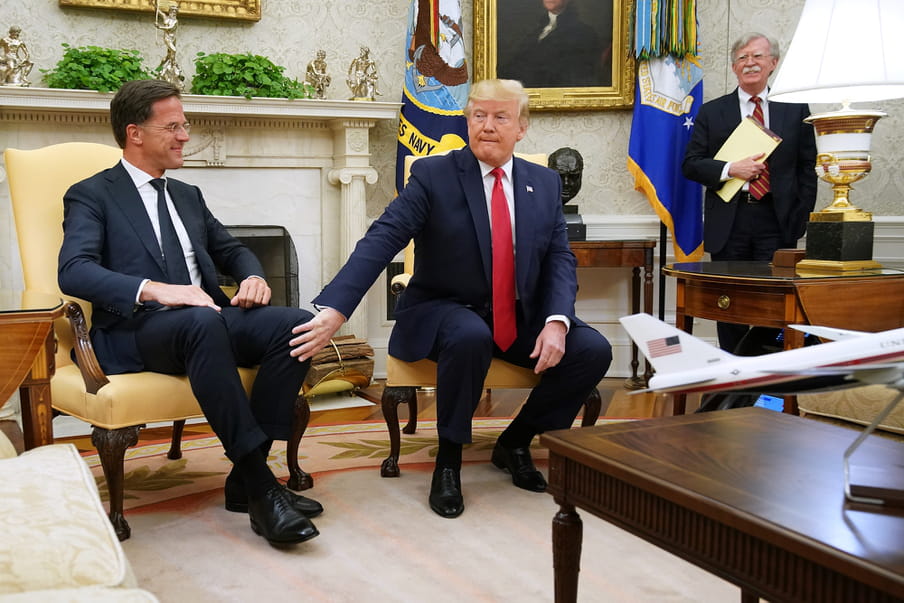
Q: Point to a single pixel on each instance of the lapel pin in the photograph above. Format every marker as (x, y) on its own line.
(529, 188)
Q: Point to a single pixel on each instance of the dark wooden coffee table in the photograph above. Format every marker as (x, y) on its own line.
(751, 495)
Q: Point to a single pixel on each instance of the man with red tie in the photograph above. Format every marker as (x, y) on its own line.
(770, 211)
(494, 276)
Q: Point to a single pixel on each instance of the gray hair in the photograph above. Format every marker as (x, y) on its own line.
(774, 49)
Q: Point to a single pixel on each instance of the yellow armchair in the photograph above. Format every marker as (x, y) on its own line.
(116, 406)
(404, 378)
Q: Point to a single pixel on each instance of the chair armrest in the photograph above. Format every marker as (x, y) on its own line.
(84, 352)
(399, 282)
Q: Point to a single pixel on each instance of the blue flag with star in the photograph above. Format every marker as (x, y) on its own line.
(668, 95)
(436, 83)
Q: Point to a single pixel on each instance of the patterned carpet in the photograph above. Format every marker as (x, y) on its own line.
(378, 540)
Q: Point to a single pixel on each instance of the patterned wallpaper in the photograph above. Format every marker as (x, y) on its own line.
(291, 31)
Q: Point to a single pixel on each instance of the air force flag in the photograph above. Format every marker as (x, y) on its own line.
(669, 93)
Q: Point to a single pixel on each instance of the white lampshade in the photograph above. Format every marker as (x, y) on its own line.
(844, 51)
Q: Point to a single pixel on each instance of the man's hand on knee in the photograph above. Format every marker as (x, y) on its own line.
(315, 334)
(176, 295)
(550, 346)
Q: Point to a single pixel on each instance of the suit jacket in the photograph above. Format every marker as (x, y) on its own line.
(443, 208)
(791, 167)
(109, 247)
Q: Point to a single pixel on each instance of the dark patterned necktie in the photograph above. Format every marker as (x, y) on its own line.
(173, 254)
(504, 330)
(760, 186)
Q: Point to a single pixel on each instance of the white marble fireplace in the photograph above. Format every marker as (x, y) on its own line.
(301, 164)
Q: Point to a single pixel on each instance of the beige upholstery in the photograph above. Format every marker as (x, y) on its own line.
(57, 543)
(858, 405)
(117, 406)
(403, 377)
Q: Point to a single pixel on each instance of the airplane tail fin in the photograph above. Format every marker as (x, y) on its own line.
(669, 349)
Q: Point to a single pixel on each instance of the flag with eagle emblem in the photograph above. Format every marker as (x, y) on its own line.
(436, 83)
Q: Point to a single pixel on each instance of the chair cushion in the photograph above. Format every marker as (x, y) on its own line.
(55, 531)
(502, 375)
(130, 399)
(858, 405)
(7, 450)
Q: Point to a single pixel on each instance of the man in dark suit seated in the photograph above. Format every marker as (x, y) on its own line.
(770, 211)
(144, 250)
(469, 299)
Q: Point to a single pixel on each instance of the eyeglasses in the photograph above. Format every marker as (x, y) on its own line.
(171, 128)
(759, 56)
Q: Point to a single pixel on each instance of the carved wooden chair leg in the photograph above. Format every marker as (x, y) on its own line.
(111, 447)
(592, 406)
(411, 425)
(298, 479)
(392, 397)
(175, 451)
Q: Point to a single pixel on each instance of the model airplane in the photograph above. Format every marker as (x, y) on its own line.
(686, 364)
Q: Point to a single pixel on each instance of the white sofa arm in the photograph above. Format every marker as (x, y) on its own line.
(56, 534)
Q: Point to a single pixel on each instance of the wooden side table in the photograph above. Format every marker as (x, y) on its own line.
(634, 254)
(27, 358)
(757, 294)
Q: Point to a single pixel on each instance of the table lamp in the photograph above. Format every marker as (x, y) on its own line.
(843, 51)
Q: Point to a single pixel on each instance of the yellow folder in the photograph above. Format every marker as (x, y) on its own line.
(749, 138)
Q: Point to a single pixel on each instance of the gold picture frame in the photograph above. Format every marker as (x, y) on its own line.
(503, 27)
(246, 10)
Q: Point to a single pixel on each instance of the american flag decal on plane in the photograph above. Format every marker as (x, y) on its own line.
(664, 346)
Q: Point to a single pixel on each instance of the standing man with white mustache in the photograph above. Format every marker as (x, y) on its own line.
(770, 211)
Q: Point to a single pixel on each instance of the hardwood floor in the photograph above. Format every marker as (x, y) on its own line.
(617, 402)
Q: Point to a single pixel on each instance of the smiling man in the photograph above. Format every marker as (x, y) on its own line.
(473, 294)
(770, 211)
(144, 250)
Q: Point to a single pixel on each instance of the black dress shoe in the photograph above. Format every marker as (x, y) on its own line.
(273, 517)
(445, 492)
(518, 462)
(237, 499)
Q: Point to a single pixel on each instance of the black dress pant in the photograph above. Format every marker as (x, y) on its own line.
(208, 345)
(464, 349)
(755, 235)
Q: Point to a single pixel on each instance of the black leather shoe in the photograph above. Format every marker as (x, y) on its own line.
(237, 499)
(518, 462)
(273, 517)
(445, 492)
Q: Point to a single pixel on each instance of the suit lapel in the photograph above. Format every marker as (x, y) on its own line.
(126, 198)
(777, 115)
(525, 197)
(472, 184)
(731, 109)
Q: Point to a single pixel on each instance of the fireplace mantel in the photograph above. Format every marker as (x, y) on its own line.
(301, 163)
(32, 101)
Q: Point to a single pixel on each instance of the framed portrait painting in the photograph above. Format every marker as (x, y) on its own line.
(569, 54)
(246, 10)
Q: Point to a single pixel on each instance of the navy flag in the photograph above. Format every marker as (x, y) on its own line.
(436, 83)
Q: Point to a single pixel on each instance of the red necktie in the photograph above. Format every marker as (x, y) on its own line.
(503, 268)
(760, 186)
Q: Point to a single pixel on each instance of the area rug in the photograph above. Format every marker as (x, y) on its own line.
(379, 540)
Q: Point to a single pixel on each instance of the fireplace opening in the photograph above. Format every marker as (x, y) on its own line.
(274, 248)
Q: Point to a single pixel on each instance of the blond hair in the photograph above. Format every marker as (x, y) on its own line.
(500, 90)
